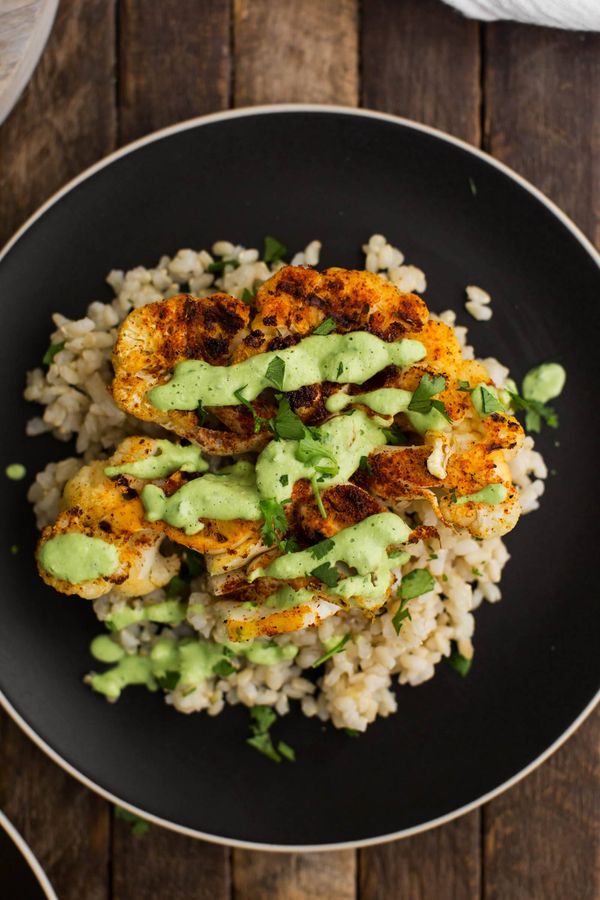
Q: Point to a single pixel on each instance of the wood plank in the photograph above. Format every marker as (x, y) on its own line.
(306, 51)
(162, 863)
(64, 122)
(294, 876)
(443, 864)
(542, 837)
(173, 62)
(66, 826)
(420, 59)
(301, 52)
(542, 116)
(542, 113)
(312, 50)
(66, 118)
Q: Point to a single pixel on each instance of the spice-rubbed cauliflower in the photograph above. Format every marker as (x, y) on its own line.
(96, 508)
(110, 509)
(289, 306)
(155, 337)
(466, 464)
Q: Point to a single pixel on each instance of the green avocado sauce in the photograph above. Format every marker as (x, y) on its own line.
(362, 546)
(390, 402)
(188, 661)
(169, 457)
(491, 493)
(227, 496)
(169, 612)
(76, 557)
(544, 382)
(341, 358)
(347, 438)
(15, 471)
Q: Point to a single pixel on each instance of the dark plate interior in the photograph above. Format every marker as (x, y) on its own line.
(339, 177)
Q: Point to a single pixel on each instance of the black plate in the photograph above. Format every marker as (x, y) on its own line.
(21, 875)
(338, 176)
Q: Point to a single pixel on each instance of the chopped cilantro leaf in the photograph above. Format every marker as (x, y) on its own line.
(275, 521)
(329, 653)
(395, 436)
(351, 732)
(169, 681)
(247, 296)
(290, 545)
(286, 424)
(286, 751)
(489, 403)
(417, 582)
(51, 352)
(476, 572)
(263, 743)
(535, 412)
(433, 556)
(276, 372)
(315, 454)
(400, 615)
(460, 663)
(326, 327)
(194, 562)
(223, 668)
(326, 573)
(437, 404)
(201, 413)
(258, 420)
(274, 250)
(340, 370)
(284, 480)
(322, 548)
(262, 718)
(220, 264)
(318, 497)
(138, 825)
(422, 402)
(365, 465)
(465, 386)
(176, 587)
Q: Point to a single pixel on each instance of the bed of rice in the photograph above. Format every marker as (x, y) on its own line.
(356, 685)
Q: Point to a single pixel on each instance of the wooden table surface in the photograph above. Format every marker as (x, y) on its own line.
(116, 69)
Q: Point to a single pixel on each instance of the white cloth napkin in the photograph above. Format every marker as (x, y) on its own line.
(581, 15)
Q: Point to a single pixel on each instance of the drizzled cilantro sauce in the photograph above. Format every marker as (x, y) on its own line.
(340, 358)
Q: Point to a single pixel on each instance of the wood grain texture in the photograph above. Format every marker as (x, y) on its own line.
(66, 119)
(542, 116)
(66, 826)
(443, 864)
(173, 62)
(420, 59)
(542, 838)
(161, 864)
(542, 113)
(294, 876)
(305, 51)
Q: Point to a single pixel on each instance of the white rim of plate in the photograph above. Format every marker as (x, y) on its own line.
(259, 111)
(29, 856)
